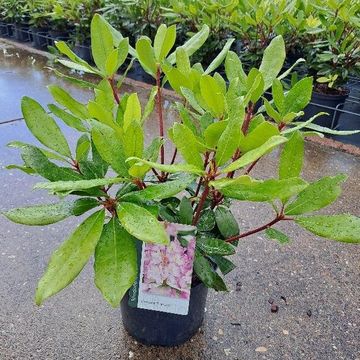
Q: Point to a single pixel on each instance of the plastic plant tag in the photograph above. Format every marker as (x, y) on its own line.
(164, 281)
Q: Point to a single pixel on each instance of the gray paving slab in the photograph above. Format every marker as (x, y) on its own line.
(314, 282)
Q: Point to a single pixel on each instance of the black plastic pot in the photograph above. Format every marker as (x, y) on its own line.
(164, 329)
(10, 30)
(21, 33)
(137, 73)
(83, 51)
(326, 103)
(3, 29)
(57, 35)
(39, 37)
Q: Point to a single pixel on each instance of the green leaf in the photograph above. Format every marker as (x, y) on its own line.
(43, 127)
(68, 119)
(182, 60)
(149, 107)
(57, 186)
(212, 95)
(40, 214)
(345, 228)
(36, 160)
(274, 234)
(187, 145)
(132, 111)
(278, 95)
(190, 98)
(164, 41)
(226, 222)
(207, 220)
(141, 224)
(185, 211)
(220, 57)
(70, 258)
(326, 130)
(82, 148)
(187, 168)
(146, 55)
(247, 189)
(117, 57)
(102, 43)
(212, 246)
(255, 154)
(160, 191)
(133, 142)
(299, 96)
(108, 145)
(224, 264)
(193, 44)
(258, 136)
(233, 68)
(65, 99)
(304, 124)
(207, 274)
(272, 61)
(229, 139)
(292, 157)
(64, 49)
(317, 195)
(115, 262)
(213, 132)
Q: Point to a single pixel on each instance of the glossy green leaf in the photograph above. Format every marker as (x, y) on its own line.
(117, 57)
(298, 96)
(206, 221)
(224, 264)
(186, 168)
(247, 189)
(274, 234)
(187, 145)
(102, 43)
(164, 41)
(83, 146)
(68, 119)
(326, 130)
(207, 274)
(182, 60)
(292, 156)
(43, 127)
(272, 61)
(233, 68)
(162, 190)
(211, 246)
(108, 145)
(146, 55)
(190, 98)
(185, 211)
(70, 258)
(226, 223)
(317, 195)
(255, 154)
(141, 224)
(212, 95)
(115, 262)
(132, 111)
(65, 99)
(344, 228)
(213, 132)
(57, 186)
(193, 44)
(220, 57)
(133, 142)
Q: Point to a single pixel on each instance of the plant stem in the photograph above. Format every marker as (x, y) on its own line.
(160, 114)
(113, 87)
(278, 218)
(201, 205)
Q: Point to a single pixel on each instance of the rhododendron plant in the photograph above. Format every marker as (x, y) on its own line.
(218, 138)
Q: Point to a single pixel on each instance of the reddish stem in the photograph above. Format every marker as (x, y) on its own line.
(160, 114)
(280, 217)
(114, 89)
(201, 205)
(251, 167)
(248, 117)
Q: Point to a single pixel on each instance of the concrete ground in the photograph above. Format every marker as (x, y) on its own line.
(314, 282)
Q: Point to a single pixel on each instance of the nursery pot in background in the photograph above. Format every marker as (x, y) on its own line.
(21, 33)
(165, 329)
(326, 103)
(83, 51)
(39, 37)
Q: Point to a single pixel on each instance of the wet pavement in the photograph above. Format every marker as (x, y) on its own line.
(314, 282)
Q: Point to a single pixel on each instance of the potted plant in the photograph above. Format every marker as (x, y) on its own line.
(156, 216)
(333, 54)
(39, 22)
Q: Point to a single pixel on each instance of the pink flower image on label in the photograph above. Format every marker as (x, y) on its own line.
(167, 270)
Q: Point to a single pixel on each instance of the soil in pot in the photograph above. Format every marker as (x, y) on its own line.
(21, 33)
(326, 101)
(164, 329)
